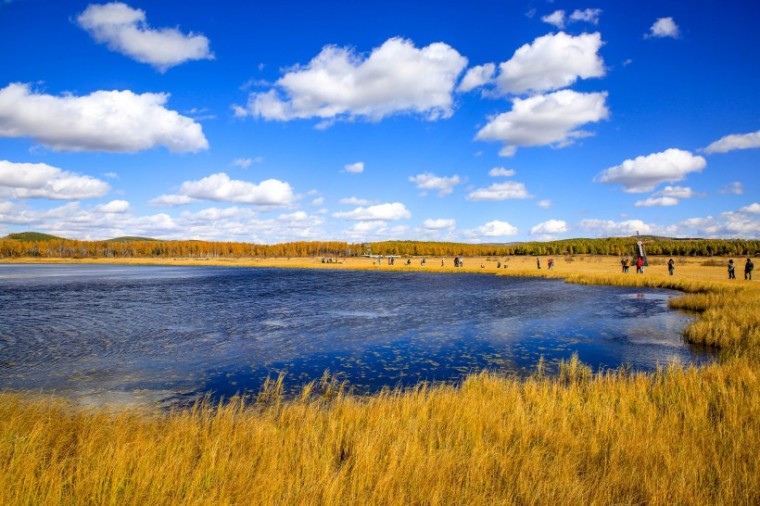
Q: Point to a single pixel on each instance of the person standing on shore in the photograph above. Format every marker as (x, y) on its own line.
(538, 263)
(748, 268)
(640, 265)
(731, 269)
(671, 266)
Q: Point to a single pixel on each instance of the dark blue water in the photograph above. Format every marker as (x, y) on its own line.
(158, 333)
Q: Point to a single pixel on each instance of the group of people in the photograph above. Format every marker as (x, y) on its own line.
(749, 266)
(640, 264)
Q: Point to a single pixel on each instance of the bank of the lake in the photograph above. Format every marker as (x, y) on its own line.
(678, 435)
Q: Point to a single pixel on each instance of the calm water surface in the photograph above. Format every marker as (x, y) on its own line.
(104, 333)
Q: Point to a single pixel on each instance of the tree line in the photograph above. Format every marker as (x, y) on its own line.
(619, 246)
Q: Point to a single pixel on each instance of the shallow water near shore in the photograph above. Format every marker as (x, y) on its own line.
(145, 334)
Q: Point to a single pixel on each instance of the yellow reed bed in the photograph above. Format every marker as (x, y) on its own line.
(678, 436)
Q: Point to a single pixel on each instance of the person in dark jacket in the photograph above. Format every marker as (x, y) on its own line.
(671, 266)
(731, 269)
(748, 268)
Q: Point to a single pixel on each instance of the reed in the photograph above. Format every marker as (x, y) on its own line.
(679, 435)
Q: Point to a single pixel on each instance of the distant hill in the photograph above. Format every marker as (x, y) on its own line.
(130, 238)
(33, 237)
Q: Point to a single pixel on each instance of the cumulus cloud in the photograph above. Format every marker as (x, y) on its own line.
(115, 206)
(549, 227)
(125, 30)
(643, 173)
(657, 202)
(501, 172)
(430, 182)
(678, 192)
(219, 187)
(551, 62)
(439, 224)
(731, 224)
(586, 15)
(373, 230)
(116, 121)
(354, 168)
(608, 228)
(733, 142)
(542, 120)
(500, 191)
(492, 229)
(39, 180)
(752, 208)
(171, 200)
(733, 188)
(384, 212)
(476, 77)
(396, 77)
(663, 27)
(544, 204)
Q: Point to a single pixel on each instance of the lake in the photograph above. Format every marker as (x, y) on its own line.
(146, 333)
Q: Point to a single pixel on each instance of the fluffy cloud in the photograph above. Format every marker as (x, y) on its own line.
(607, 228)
(477, 76)
(354, 168)
(501, 172)
(663, 27)
(39, 180)
(395, 78)
(430, 182)
(171, 200)
(439, 224)
(115, 206)
(245, 163)
(117, 121)
(492, 229)
(543, 120)
(551, 62)
(643, 173)
(544, 204)
(734, 142)
(219, 187)
(500, 191)
(125, 30)
(549, 227)
(752, 208)
(373, 230)
(678, 192)
(657, 202)
(586, 15)
(384, 212)
(743, 224)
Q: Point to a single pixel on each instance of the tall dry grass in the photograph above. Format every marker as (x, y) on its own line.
(678, 436)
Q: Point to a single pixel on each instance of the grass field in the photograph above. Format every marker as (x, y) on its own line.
(677, 436)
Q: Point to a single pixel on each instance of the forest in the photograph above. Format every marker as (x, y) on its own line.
(32, 244)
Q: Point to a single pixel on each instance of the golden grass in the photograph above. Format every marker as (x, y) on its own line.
(677, 436)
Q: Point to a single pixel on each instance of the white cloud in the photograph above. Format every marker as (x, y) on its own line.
(742, 224)
(607, 228)
(245, 163)
(556, 18)
(395, 78)
(643, 173)
(354, 168)
(500, 191)
(431, 182)
(733, 188)
(543, 120)
(318, 201)
(551, 62)
(663, 27)
(115, 206)
(544, 204)
(439, 224)
(125, 30)
(678, 192)
(385, 212)
(171, 200)
(39, 180)
(492, 229)
(219, 187)
(477, 76)
(734, 142)
(501, 172)
(752, 208)
(354, 201)
(373, 230)
(657, 202)
(586, 15)
(549, 227)
(117, 121)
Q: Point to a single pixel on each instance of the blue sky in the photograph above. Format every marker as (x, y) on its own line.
(476, 121)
